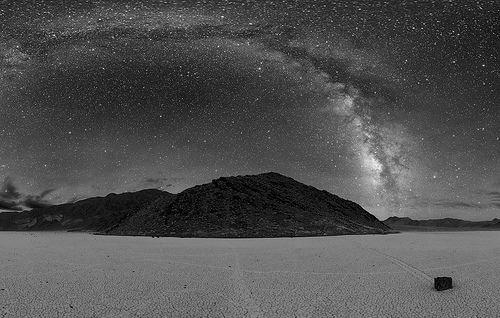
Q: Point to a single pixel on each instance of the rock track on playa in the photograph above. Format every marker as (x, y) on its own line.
(403, 265)
(243, 295)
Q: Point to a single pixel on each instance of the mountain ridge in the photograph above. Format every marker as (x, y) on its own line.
(91, 214)
(263, 205)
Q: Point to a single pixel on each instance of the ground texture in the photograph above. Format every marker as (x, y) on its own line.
(81, 275)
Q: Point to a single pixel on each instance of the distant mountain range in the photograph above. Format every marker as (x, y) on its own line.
(264, 205)
(449, 223)
(93, 214)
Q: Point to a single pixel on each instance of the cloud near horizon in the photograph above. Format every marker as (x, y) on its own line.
(493, 203)
(491, 199)
(38, 201)
(494, 196)
(461, 204)
(157, 183)
(12, 199)
(9, 195)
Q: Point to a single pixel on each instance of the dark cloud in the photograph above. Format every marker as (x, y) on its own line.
(38, 201)
(9, 191)
(11, 206)
(494, 195)
(461, 204)
(9, 195)
(35, 202)
(12, 199)
(158, 183)
(418, 202)
(46, 192)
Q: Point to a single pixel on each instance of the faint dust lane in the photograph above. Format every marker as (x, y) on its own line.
(242, 292)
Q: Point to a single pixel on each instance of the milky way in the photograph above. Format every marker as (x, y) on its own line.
(391, 104)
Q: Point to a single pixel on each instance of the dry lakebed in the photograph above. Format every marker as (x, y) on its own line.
(59, 274)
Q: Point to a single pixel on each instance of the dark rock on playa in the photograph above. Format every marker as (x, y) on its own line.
(443, 283)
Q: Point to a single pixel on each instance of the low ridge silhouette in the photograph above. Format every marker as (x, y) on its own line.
(448, 223)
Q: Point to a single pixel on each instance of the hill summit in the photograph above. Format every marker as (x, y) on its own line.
(264, 205)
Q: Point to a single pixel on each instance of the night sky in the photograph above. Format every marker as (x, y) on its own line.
(391, 104)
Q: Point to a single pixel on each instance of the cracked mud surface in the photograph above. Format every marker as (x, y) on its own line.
(80, 275)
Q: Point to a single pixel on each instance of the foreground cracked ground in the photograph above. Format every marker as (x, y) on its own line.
(80, 275)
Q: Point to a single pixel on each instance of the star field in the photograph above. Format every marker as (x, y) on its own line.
(391, 104)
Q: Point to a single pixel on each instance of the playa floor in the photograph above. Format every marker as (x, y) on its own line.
(62, 274)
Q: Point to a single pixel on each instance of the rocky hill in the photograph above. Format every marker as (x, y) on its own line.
(265, 205)
(448, 223)
(93, 214)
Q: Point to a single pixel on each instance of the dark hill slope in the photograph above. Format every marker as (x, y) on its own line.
(265, 205)
(93, 214)
(149, 220)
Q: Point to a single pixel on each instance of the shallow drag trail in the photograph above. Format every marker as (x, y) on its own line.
(404, 266)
